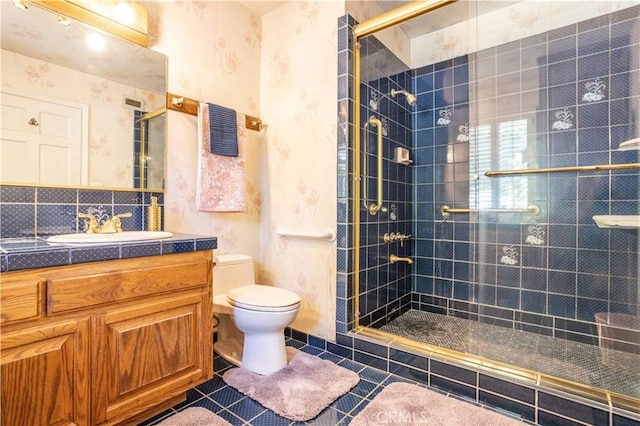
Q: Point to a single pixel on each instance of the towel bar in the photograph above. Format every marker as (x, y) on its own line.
(329, 235)
(190, 106)
(532, 210)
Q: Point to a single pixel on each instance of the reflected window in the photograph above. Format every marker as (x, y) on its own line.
(506, 152)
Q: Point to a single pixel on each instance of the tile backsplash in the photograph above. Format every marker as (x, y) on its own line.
(28, 211)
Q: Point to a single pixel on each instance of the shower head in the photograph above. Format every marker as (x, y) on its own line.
(411, 98)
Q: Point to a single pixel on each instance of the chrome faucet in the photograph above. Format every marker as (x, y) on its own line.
(111, 225)
(393, 258)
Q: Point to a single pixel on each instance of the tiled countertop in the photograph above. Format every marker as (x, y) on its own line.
(30, 253)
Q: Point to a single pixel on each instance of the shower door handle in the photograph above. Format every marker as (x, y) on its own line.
(375, 208)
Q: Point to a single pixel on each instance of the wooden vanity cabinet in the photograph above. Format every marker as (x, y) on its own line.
(107, 342)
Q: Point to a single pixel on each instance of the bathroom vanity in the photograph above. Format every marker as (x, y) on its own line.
(105, 342)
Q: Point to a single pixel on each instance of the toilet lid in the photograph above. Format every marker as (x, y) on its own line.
(263, 298)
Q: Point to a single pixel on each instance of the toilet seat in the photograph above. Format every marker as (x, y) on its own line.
(263, 298)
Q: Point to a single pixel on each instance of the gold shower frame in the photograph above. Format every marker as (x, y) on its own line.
(479, 363)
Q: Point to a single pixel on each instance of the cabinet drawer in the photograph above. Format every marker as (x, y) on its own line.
(20, 300)
(121, 280)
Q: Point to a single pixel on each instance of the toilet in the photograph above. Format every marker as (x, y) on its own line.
(251, 317)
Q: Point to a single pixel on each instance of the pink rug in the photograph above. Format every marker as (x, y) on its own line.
(301, 390)
(410, 405)
(194, 416)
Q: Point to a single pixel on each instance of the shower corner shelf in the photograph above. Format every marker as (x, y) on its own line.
(618, 221)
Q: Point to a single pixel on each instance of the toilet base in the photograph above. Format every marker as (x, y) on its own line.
(230, 341)
(264, 353)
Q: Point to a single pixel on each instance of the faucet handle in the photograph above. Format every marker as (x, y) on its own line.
(92, 223)
(115, 221)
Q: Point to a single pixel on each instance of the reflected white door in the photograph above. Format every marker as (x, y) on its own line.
(41, 141)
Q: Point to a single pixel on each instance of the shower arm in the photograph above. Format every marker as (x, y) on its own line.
(374, 208)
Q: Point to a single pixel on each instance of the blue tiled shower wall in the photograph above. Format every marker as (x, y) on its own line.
(572, 96)
(29, 211)
(573, 92)
(385, 288)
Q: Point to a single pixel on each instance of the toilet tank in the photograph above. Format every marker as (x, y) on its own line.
(231, 271)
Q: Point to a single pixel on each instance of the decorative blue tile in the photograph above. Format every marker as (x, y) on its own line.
(562, 282)
(57, 196)
(206, 244)
(95, 197)
(561, 306)
(55, 219)
(177, 247)
(593, 66)
(571, 409)
(593, 41)
(39, 259)
(17, 194)
(137, 250)
(562, 72)
(593, 115)
(563, 95)
(17, 220)
(94, 254)
(533, 301)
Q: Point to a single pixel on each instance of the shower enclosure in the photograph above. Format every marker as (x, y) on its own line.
(148, 149)
(482, 246)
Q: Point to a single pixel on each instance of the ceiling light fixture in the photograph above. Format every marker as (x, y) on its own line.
(63, 20)
(21, 4)
(124, 13)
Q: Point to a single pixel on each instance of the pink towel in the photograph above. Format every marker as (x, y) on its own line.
(221, 182)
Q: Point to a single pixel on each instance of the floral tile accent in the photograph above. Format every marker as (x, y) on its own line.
(510, 255)
(385, 126)
(564, 119)
(536, 234)
(445, 115)
(373, 100)
(463, 135)
(595, 91)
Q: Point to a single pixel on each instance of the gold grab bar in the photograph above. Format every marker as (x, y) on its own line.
(596, 168)
(374, 208)
(532, 210)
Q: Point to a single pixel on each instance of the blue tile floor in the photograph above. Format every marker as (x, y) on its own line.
(240, 410)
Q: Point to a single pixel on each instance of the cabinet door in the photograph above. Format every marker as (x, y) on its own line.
(45, 378)
(149, 354)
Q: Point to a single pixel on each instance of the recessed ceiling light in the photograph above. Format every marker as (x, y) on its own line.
(95, 41)
(63, 20)
(21, 4)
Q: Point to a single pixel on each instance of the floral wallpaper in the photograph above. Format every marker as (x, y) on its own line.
(298, 102)
(214, 56)
(110, 122)
(282, 68)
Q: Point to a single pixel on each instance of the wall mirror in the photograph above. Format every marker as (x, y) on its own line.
(74, 114)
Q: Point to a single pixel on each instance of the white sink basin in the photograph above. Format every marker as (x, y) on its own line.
(117, 237)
